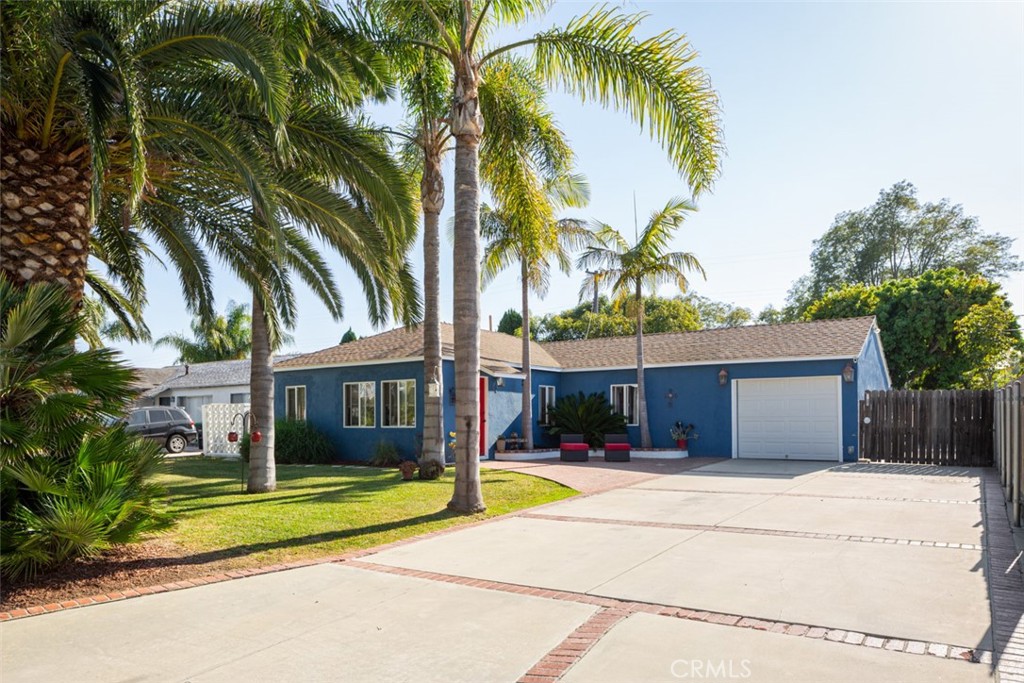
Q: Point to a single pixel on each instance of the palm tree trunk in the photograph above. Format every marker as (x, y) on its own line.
(527, 411)
(467, 126)
(44, 229)
(641, 389)
(262, 470)
(432, 199)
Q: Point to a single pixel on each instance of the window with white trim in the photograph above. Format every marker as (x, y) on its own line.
(295, 403)
(624, 401)
(398, 403)
(360, 404)
(545, 402)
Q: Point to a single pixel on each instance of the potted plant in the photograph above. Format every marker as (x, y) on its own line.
(682, 433)
(408, 469)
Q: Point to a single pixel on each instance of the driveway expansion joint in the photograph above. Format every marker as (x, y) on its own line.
(621, 609)
(788, 493)
(756, 532)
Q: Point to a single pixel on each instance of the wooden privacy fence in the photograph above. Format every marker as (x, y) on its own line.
(1009, 444)
(927, 427)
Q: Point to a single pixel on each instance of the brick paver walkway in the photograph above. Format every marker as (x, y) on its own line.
(597, 475)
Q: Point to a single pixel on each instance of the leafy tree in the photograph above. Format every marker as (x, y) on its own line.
(68, 485)
(511, 322)
(942, 330)
(632, 268)
(714, 314)
(349, 336)
(661, 314)
(899, 237)
(597, 57)
(226, 337)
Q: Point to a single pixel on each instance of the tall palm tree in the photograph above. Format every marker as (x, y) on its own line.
(331, 177)
(532, 240)
(524, 137)
(227, 337)
(597, 56)
(630, 268)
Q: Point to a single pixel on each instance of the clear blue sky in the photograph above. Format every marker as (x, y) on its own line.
(824, 105)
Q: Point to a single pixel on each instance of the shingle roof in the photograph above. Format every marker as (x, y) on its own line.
(407, 342)
(820, 338)
(222, 373)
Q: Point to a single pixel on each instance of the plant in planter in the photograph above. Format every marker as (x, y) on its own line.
(408, 469)
(682, 433)
(590, 416)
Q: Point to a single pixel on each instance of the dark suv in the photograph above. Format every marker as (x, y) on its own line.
(168, 425)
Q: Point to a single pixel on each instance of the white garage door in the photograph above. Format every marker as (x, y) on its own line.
(793, 418)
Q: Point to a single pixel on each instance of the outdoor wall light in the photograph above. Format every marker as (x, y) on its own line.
(500, 381)
(848, 372)
(723, 377)
(433, 389)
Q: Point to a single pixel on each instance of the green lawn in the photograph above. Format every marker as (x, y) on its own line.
(319, 510)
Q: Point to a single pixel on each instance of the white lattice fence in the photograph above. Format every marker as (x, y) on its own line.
(218, 420)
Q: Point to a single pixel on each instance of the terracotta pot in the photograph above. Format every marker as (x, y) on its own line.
(681, 444)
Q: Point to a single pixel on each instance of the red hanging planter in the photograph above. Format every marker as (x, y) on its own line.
(233, 437)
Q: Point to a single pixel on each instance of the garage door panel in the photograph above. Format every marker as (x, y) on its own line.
(795, 418)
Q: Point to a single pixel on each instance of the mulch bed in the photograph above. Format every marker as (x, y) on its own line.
(137, 565)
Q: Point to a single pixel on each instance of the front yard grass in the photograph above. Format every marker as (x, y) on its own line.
(319, 511)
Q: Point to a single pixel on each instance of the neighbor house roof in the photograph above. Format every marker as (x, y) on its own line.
(817, 339)
(222, 373)
(497, 350)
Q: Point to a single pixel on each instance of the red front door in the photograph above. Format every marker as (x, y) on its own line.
(483, 416)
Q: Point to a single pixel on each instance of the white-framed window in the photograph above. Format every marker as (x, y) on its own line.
(360, 404)
(624, 401)
(240, 397)
(545, 402)
(295, 403)
(398, 403)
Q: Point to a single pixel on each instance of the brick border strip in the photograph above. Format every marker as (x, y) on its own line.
(576, 645)
(230, 575)
(1005, 583)
(890, 499)
(628, 607)
(757, 532)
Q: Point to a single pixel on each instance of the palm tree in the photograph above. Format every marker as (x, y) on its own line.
(90, 100)
(227, 337)
(646, 264)
(597, 57)
(518, 235)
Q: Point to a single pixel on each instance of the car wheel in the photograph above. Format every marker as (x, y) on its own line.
(176, 443)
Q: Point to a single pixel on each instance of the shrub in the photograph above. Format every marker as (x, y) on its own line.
(431, 469)
(386, 455)
(590, 416)
(70, 486)
(296, 442)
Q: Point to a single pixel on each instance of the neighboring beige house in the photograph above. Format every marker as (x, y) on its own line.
(192, 386)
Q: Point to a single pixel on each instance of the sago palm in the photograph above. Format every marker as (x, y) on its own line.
(597, 57)
(68, 485)
(630, 269)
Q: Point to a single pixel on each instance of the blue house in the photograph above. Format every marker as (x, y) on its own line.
(763, 391)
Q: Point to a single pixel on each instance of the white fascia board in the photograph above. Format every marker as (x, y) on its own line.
(736, 361)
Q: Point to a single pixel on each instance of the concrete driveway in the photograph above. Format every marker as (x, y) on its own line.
(763, 571)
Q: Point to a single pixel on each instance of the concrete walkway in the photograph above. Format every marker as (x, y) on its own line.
(765, 571)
